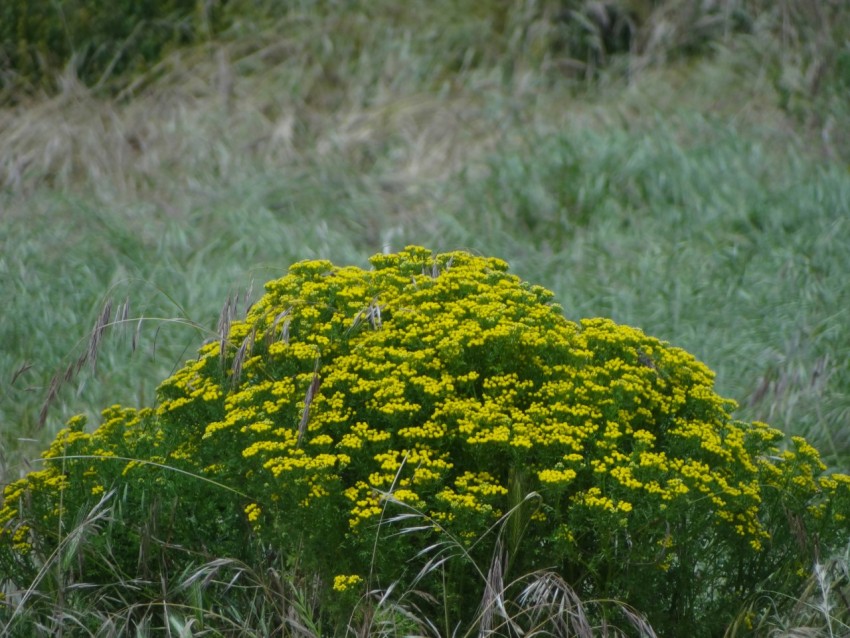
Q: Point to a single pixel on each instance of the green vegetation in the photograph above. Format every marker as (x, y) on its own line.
(443, 386)
(98, 40)
(698, 191)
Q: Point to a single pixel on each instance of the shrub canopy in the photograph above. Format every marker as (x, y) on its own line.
(445, 387)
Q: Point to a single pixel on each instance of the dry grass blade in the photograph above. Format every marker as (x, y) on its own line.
(549, 599)
(123, 312)
(239, 359)
(52, 391)
(492, 601)
(284, 334)
(225, 320)
(269, 336)
(206, 574)
(97, 332)
(134, 342)
(248, 294)
(103, 321)
(21, 370)
(637, 620)
(555, 609)
(443, 556)
(374, 315)
(308, 399)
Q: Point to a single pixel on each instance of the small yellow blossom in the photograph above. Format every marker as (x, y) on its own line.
(345, 582)
(253, 512)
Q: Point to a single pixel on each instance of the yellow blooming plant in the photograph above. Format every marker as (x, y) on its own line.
(446, 386)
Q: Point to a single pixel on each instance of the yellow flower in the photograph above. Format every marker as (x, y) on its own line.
(345, 582)
(556, 476)
(253, 511)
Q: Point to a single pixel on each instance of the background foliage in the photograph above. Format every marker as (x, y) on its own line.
(98, 40)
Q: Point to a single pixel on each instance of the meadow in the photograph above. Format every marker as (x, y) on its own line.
(695, 186)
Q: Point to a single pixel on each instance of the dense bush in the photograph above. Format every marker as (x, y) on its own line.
(38, 38)
(443, 387)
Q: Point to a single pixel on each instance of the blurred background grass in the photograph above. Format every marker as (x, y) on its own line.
(677, 166)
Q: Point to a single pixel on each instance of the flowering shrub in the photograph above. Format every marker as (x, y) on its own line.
(446, 386)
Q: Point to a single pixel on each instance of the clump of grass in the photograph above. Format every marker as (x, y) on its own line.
(267, 597)
(821, 609)
(539, 603)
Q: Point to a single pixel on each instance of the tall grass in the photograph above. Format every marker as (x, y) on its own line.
(270, 597)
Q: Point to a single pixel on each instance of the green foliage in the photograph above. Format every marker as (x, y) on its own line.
(594, 33)
(445, 387)
(99, 38)
(802, 45)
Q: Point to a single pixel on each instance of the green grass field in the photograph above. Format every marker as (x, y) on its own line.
(703, 198)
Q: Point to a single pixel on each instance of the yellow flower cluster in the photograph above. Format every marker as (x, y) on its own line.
(253, 512)
(344, 582)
